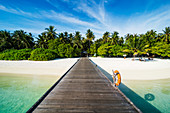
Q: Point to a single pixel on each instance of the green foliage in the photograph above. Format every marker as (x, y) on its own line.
(5, 40)
(69, 51)
(41, 54)
(93, 49)
(161, 49)
(66, 44)
(90, 36)
(104, 50)
(65, 50)
(22, 40)
(39, 57)
(8, 55)
(53, 44)
(107, 50)
(23, 54)
(117, 50)
(12, 54)
(61, 50)
(77, 52)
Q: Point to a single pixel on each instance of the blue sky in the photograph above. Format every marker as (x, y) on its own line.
(124, 16)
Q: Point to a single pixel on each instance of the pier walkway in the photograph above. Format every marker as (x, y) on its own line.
(84, 89)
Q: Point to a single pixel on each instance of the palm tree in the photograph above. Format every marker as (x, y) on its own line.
(51, 32)
(160, 37)
(66, 37)
(61, 37)
(166, 35)
(85, 44)
(5, 40)
(135, 44)
(121, 41)
(150, 37)
(70, 38)
(29, 40)
(115, 38)
(90, 36)
(45, 37)
(77, 42)
(22, 40)
(42, 40)
(106, 37)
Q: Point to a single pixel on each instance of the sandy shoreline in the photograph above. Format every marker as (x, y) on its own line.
(54, 67)
(130, 70)
(135, 70)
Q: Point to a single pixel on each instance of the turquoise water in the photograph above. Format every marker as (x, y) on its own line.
(148, 95)
(19, 92)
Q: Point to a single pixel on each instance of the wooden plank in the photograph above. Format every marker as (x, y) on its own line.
(83, 101)
(85, 90)
(87, 105)
(76, 110)
(82, 90)
(73, 106)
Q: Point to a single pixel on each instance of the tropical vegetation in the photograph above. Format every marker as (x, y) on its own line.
(20, 45)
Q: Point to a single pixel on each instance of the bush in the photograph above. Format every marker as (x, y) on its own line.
(161, 49)
(6, 56)
(93, 49)
(4, 45)
(77, 52)
(65, 50)
(61, 50)
(39, 57)
(22, 54)
(53, 44)
(41, 54)
(12, 54)
(104, 50)
(69, 51)
(117, 50)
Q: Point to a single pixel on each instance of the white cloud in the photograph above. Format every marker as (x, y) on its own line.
(157, 20)
(93, 9)
(138, 23)
(18, 11)
(58, 16)
(66, 0)
(10, 10)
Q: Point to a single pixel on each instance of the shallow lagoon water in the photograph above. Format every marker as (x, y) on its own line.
(148, 95)
(19, 92)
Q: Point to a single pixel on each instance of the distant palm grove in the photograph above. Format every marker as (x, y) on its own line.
(49, 45)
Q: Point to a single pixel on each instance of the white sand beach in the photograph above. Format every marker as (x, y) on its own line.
(54, 67)
(135, 70)
(130, 70)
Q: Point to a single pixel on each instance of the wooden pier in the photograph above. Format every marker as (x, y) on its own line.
(84, 89)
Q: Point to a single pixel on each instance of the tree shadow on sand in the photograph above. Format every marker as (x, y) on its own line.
(140, 102)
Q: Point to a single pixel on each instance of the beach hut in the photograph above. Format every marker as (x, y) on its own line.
(84, 54)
